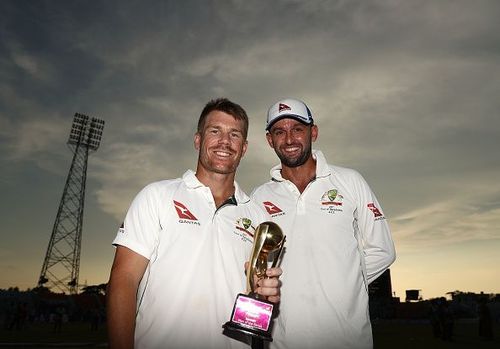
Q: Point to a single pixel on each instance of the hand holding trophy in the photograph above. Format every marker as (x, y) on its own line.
(252, 315)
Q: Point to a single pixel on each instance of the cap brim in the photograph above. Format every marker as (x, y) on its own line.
(288, 116)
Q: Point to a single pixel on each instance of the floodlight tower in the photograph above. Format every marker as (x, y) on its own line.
(61, 265)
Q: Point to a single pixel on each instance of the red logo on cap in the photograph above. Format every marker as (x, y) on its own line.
(283, 107)
(271, 208)
(183, 212)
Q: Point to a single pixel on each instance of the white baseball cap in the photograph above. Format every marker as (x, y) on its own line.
(289, 108)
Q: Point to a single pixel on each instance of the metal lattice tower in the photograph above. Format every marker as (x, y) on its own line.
(61, 265)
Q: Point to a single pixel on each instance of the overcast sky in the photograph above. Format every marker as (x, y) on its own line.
(406, 92)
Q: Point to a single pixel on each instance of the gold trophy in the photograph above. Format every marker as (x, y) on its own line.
(252, 315)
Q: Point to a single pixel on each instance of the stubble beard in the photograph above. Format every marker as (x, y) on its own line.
(295, 162)
(210, 165)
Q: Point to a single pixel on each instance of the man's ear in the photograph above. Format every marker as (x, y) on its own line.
(245, 147)
(314, 133)
(197, 141)
(269, 140)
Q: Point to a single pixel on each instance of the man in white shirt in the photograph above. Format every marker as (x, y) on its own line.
(180, 252)
(338, 240)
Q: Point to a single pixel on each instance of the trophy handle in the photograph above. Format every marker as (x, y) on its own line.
(256, 257)
(278, 254)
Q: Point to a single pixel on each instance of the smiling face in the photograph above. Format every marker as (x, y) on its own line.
(221, 143)
(292, 141)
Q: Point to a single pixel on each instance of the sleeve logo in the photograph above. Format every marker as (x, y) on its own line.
(374, 209)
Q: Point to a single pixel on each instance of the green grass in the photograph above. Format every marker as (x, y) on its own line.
(390, 334)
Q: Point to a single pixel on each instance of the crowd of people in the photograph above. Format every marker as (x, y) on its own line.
(19, 314)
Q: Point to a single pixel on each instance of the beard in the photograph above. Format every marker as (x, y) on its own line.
(295, 162)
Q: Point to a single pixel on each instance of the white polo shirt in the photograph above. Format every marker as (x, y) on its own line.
(196, 261)
(332, 228)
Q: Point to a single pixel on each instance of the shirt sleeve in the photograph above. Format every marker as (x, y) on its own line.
(376, 240)
(140, 229)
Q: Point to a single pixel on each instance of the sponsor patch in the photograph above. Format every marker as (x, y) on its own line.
(375, 210)
(272, 209)
(185, 216)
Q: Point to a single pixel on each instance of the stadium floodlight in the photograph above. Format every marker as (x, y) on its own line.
(61, 266)
(86, 133)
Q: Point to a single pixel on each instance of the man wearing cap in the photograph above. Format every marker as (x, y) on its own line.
(338, 240)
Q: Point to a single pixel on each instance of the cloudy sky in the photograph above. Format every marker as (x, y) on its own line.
(406, 92)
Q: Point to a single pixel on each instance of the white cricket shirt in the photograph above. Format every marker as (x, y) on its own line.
(324, 298)
(196, 262)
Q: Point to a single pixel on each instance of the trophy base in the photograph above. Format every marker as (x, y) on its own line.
(230, 326)
(252, 317)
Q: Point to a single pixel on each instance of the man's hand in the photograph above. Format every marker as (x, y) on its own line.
(270, 286)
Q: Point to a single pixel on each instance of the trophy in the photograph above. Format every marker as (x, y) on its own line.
(252, 315)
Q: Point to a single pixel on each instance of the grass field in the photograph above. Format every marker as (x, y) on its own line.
(387, 335)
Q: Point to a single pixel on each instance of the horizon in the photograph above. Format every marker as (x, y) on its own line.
(402, 299)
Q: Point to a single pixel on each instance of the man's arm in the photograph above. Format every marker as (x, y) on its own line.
(379, 252)
(375, 235)
(126, 274)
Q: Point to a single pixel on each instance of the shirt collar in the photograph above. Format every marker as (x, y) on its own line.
(192, 182)
(322, 168)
